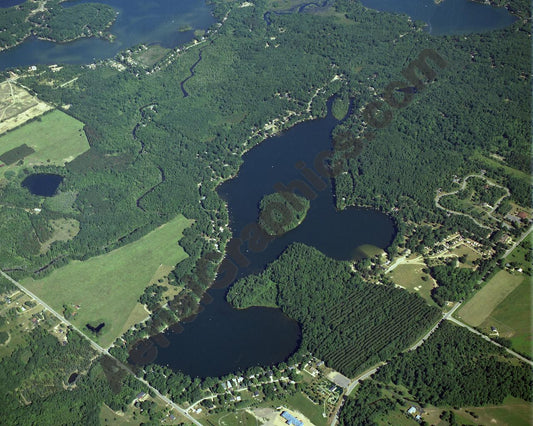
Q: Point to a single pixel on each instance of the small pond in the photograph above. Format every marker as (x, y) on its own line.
(42, 184)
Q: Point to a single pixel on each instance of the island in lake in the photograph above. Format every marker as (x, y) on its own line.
(281, 212)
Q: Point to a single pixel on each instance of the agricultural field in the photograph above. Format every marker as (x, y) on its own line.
(17, 106)
(110, 285)
(512, 318)
(479, 307)
(411, 277)
(60, 139)
(512, 412)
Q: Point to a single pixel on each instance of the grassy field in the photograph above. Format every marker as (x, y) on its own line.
(477, 309)
(512, 412)
(409, 276)
(240, 418)
(508, 170)
(518, 255)
(512, 318)
(57, 138)
(470, 253)
(107, 287)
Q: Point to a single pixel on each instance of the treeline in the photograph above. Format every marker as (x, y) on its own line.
(455, 368)
(346, 322)
(56, 22)
(60, 23)
(35, 374)
(454, 283)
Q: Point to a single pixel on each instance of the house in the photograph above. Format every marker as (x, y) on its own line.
(522, 215)
(411, 410)
(141, 396)
(291, 420)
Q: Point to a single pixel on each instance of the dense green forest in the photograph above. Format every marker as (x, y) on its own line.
(282, 211)
(34, 377)
(452, 369)
(346, 322)
(53, 22)
(455, 368)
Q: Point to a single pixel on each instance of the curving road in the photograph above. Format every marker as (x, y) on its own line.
(463, 186)
(99, 348)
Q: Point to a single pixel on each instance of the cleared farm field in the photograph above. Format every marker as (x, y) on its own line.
(106, 289)
(55, 138)
(477, 309)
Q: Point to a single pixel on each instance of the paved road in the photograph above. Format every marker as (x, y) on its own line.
(473, 330)
(430, 332)
(99, 348)
(522, 238)
(463, 186)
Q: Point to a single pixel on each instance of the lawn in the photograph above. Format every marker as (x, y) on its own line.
(303, 404)
(479, 307)
(470, 253)
(518, 255)
(106, 288)
(56, 138)
(240, 418)
(512, 317)
(409, 276)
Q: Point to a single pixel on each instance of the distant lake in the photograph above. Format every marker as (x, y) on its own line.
(42, 184)
(221, 339)
(8, 3)
(450, 16)
(139, 21)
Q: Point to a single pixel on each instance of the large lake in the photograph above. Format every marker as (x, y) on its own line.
(448, 17)
(138, 21)
(222, 339)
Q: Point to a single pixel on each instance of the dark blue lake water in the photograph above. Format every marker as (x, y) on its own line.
(42, 184)
(9, 3)
(222, 339)
(139, 21)
(448, 17)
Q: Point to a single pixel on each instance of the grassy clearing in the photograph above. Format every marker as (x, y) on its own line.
(512, 318)
(518, 255)
(57, 138)
(63, 202)
(410, 276)
(508, 170)
(471, 255)
(239, 418)
(479, 307)
(512, 412)
(152, 55)
(313, 412)
(107, 287)
(64, 230)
